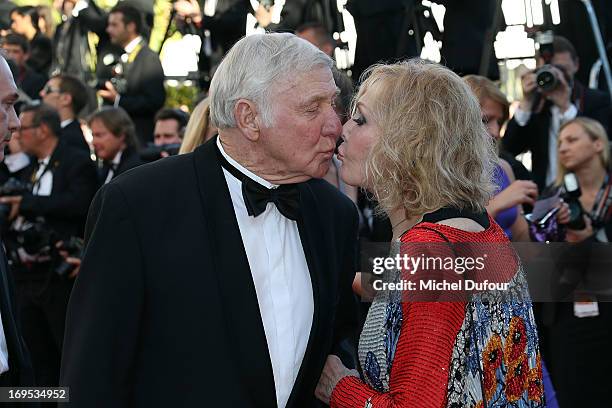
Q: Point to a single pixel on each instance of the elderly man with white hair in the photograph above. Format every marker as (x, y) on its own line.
(223, 277)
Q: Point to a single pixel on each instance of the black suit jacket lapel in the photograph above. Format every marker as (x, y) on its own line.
(242, 316)
(314, 243)
(16, 353)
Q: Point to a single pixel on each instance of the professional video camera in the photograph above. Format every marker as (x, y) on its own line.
(12, 187)
(571, 196)
(153, 152)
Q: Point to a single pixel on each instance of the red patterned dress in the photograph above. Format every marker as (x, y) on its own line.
(480, 351)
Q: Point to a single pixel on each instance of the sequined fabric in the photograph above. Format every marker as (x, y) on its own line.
(480, 353)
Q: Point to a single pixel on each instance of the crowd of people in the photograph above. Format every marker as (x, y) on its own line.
(228, 264)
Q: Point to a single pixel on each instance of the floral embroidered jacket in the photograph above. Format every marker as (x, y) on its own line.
(480, 352)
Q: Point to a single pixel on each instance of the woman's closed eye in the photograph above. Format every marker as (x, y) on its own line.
(358, 118)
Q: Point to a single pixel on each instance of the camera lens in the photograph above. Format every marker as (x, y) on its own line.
(546, 79)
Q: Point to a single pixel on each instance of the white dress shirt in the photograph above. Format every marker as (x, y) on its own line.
(16, 161)
(556, 120)
(282, 281)
(43, 180)
(66, 122)
(115, 163)
(3, 350)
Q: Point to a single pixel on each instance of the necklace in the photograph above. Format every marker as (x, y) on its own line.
(393, 227)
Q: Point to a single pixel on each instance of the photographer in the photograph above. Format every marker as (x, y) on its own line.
(68, 95)
(168, 134)
(63, 184)
(138, 85)
(576, 335)
(543, 109)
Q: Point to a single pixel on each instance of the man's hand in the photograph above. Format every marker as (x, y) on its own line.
(560, 96)
(110, 93)
(77, 266)
(519, 192)
(76, 262)
(264, 16)
(333, 372)
(528, 83)
(188, 9)
(15, 202)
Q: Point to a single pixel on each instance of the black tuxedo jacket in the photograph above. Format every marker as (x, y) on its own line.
(20, 372)
(145, 93)
(31, 82)
(72, 135)
(534, 136)
(164, 311)
(129, 159)
(74, 185)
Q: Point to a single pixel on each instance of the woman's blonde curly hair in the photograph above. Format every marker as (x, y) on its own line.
(434, 150)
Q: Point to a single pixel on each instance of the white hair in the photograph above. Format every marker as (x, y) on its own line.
(251, 69)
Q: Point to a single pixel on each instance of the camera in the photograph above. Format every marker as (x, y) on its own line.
(74, 247)
(12, 187)
(546, 78)
(571, 197)
(153, 152)
(113, 67)
(38, 239)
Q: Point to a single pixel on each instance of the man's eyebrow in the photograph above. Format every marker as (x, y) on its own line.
(318, 98)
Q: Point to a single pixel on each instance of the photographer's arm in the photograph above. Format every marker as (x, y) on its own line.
(151, 95)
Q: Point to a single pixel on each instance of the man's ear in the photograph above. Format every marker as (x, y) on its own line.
(43, 130)
(131, 29)
(247, 119)
(577, 62)
(66, 99)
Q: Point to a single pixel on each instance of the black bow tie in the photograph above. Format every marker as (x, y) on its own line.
(111, 166)
(256, 197)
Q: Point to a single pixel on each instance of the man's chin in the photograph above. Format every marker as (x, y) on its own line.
(322, 170)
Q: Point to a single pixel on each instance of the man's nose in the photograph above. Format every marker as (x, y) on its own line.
(332, 127)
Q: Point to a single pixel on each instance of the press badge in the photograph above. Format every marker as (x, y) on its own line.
(586, 309)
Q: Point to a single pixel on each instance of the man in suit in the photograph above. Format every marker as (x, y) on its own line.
(17, 49)
(537, 120)
(140, 88)
(231, 289)
(67, 95)
(114, 142)
(15, 365)
(63, 183)
(225, 21)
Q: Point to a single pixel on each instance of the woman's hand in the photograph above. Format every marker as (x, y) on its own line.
(580, 235)
(563, 215)
(519, 192)
(333, 372)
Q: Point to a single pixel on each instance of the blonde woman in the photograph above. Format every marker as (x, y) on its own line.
(577, 342)
(198, 128)
(416, 140)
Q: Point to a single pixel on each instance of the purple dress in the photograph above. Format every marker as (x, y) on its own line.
(507, 217)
